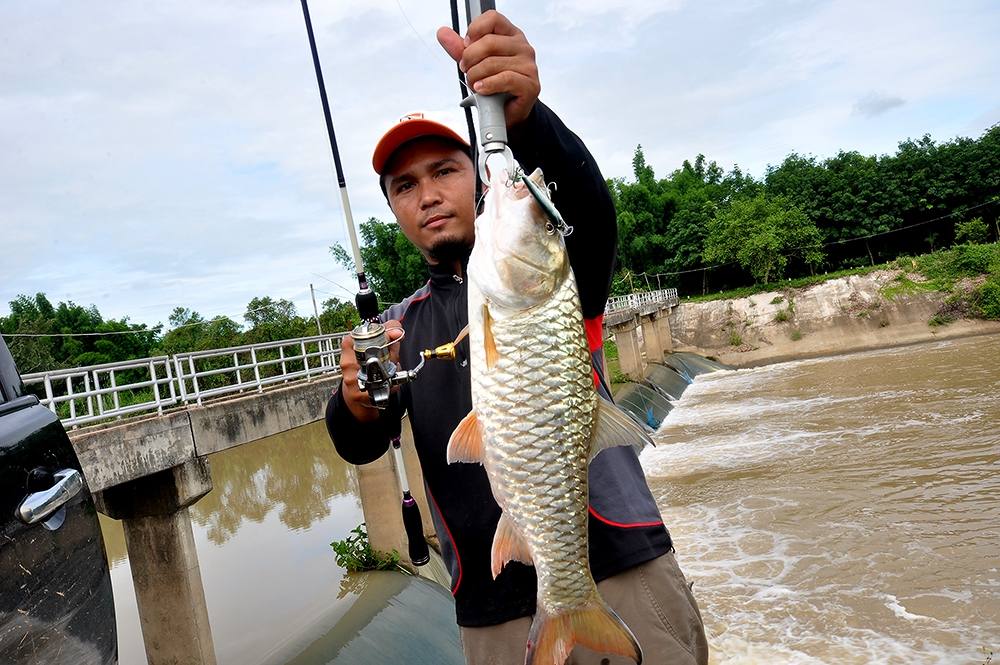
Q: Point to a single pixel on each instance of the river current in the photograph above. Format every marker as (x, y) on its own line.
(841, 510)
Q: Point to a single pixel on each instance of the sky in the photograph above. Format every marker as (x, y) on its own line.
(155, 155)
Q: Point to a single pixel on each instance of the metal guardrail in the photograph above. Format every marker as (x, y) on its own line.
(83, 395)
(665, 297)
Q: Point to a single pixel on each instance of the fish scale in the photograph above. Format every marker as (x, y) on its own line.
(532, 400)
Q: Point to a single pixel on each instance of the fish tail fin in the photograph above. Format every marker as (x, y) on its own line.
(595, 626)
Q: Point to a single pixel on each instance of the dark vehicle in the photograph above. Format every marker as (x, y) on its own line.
(55, 589)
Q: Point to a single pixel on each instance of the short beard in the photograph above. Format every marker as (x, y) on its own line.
(447, 250)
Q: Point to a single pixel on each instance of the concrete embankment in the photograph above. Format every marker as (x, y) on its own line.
(841, 315)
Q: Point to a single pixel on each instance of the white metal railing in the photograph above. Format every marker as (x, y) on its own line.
(202, 374)
(666, 297)
(82, 395)
(105, 391)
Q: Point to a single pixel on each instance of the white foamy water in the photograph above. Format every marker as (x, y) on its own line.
(841, 510)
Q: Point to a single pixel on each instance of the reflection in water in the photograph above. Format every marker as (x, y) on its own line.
(841, 510)
(290, 471)
(263, 538)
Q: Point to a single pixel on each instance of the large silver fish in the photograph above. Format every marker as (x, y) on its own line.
(537, 420)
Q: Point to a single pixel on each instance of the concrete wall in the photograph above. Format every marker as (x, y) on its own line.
(111, 455)
(839, 316)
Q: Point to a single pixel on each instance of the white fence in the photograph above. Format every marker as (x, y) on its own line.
(665, 297)
(84, 395)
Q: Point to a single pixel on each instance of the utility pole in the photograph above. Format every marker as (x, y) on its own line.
(319, 327)
(324, 360)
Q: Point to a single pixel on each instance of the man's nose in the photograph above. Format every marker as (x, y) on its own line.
(430, 195)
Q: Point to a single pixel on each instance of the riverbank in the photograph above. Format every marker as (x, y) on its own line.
(881, 309)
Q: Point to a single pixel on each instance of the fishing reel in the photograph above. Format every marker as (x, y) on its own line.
(378, 374)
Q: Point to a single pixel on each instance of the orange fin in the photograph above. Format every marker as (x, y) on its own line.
(508, 545)
(466, 442)
(595, 626)
(488, 341)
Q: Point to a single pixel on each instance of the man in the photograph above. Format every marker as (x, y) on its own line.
(429, 181)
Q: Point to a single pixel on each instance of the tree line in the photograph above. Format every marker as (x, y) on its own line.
(701, 228)
(63, 335)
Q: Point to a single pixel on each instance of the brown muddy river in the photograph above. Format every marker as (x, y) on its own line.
(842, 510)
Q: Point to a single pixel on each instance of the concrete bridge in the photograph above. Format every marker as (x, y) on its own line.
(143, 431)
(648, 313)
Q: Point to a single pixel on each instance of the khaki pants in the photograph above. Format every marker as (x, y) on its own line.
(652, 598)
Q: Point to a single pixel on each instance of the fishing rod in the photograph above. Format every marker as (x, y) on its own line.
(377, 374)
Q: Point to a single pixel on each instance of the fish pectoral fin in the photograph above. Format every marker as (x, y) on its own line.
(508, 545)
(466, 442)
(595, 626)
(488, 340)
(614, 428)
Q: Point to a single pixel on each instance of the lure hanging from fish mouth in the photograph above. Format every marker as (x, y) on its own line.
(556, 221)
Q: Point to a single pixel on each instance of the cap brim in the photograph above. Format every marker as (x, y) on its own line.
(406, 131)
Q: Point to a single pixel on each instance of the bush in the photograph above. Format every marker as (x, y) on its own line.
(795, 335)
(975, 231)
(781, 316)
(734, 338)
(985, 301)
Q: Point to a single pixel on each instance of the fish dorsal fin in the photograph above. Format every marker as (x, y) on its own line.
(466, 442)
(508, 545)
(614, 428)
(488, 341)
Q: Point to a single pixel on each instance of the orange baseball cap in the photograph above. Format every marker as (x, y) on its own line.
(409, 127)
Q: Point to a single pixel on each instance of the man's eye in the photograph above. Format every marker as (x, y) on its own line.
(446, 170)
(403, 187)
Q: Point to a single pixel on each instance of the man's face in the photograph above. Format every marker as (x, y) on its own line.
(430, 184)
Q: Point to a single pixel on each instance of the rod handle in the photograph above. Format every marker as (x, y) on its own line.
(419, 554)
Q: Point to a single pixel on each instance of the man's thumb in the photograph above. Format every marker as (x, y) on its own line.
(451, 42)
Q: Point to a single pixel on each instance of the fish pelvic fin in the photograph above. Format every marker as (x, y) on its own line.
(614, 428)
(508, 545)
(466, 442)
(492, 356)
(595, 626)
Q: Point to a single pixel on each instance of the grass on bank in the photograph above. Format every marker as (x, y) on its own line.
(948, 271)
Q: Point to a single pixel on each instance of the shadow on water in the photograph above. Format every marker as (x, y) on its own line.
(649, 401)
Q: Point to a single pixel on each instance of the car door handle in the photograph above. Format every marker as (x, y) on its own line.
(39, 506)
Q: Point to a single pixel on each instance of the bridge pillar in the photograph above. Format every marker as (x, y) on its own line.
(663, 330)
(629, 355)
(161, 552)
(652, 343)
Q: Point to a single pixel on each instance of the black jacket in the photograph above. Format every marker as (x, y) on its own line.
(625, 524)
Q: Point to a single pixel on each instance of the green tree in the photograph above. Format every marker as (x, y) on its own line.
(761, 234)
(338, 315)
(270, 320)
(394, 267)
